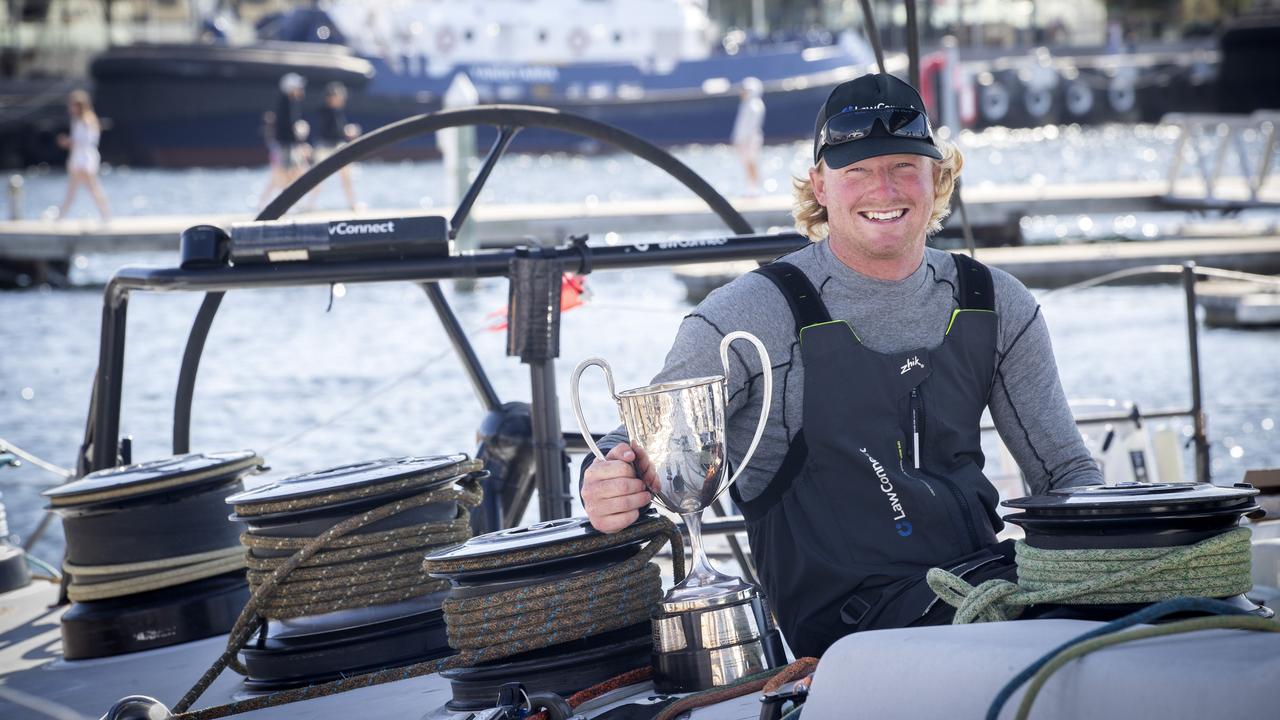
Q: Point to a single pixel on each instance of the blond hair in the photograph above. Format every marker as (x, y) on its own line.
(81, 99)
(811, 216)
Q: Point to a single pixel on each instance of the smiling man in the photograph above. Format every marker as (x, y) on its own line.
(885, 354)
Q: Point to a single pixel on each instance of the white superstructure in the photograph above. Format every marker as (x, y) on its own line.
(548, 32)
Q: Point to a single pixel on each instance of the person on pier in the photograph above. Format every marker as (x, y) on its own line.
(332, 130)
(83, 159)
(291, 130)
(748, 131)
(886, 353)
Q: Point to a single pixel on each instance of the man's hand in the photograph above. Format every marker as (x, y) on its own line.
(612, 495)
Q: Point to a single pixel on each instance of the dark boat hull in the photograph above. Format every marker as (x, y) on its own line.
(202, 105)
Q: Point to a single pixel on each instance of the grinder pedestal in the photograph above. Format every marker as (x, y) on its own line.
(712, 641)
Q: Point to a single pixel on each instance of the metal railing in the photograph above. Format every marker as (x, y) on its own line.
(1225, 135)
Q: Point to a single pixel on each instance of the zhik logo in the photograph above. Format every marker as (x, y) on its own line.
(912, 363)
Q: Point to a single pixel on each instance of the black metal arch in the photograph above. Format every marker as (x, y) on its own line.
(510, 118)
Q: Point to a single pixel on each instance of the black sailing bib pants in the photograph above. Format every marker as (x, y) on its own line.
(884, 480)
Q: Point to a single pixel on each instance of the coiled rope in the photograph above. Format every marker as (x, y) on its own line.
(354, 570)
(151, 574)
(559, 610)
(581, 617)
(1214, 567)
(203, 521)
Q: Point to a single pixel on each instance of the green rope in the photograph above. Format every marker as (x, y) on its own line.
(1215, 567)
(1236, 622)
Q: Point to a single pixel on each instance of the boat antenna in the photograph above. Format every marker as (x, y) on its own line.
(869, 20)
(913, 71)
(913, 45)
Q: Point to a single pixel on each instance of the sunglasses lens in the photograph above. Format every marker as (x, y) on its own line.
(847, 127)
(908, 123)
(857, 124)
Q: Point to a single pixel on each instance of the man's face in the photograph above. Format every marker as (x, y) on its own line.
(877, 209)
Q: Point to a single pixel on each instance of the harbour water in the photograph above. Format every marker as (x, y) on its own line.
(310, 386)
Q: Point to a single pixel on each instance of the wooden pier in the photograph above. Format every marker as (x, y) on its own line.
(1050, 266)
(995, 211)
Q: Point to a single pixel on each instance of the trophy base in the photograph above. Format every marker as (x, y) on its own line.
(700, 648)
(687, 671)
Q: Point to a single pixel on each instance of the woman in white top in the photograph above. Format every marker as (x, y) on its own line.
(748, 131)
(82, 156)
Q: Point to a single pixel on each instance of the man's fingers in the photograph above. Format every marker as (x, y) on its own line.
(613, 487)
(621, 504)
(613, 523)
(621, 451)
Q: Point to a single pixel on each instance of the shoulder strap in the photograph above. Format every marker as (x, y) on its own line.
(976, 289)
(806, 304)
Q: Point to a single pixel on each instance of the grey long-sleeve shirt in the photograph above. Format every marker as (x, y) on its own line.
(1027, 403)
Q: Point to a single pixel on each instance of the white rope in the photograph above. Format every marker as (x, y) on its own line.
(175, 571)
(6, 446)
(1165, 270)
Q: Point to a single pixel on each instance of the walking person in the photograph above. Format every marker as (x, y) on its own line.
(291, 130)
(885, 355)
(332, 130)
(748, 131)
(277, 173)
(82, 153)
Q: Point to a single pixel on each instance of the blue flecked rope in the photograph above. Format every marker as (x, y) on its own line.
(658, 530)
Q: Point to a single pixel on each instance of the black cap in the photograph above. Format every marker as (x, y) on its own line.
(866, 92)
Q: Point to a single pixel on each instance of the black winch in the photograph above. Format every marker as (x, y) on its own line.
(606, 626)
(151, 560)
(13, 560)
(1134, 516)
(363, 603)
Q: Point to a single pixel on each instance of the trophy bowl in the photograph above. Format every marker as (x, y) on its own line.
(708, 628)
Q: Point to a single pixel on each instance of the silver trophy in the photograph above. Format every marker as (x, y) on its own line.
(709, 627)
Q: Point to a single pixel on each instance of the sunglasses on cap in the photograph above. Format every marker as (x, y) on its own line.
(853, 125)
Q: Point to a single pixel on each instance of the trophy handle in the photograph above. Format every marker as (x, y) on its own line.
(768, 390)
(577, 404)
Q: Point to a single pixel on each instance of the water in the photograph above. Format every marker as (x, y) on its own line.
(995, 156)
(310, 387)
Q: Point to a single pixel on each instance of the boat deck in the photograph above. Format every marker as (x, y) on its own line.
(35, 682)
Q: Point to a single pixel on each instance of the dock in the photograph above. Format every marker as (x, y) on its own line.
(1051, 266)
(989, 207)
(32, 246)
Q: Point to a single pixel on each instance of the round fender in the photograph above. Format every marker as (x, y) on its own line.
(1122, 93)
(993, 100)
(1078, 98)
(1038, 101)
